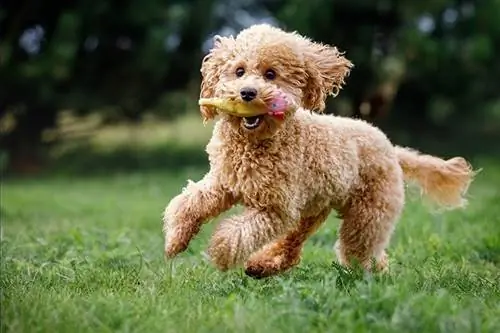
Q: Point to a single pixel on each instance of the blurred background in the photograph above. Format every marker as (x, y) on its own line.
(95, 86)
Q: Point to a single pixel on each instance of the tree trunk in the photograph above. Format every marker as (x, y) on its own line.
(24, 145)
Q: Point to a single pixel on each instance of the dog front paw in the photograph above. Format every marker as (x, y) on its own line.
(178, 238)
(226, 248)
(221, 252)
(177, 226)
(174, 246)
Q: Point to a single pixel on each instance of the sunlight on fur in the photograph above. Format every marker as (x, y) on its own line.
(290, 173)
(444, 182)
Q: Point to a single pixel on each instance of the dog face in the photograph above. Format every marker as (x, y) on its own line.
(262, 59)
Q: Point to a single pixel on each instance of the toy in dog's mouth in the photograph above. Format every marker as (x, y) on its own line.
(252, 113)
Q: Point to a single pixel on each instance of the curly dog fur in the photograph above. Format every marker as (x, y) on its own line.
(290, 174)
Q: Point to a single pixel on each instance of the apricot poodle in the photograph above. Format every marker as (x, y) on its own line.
(290, 173)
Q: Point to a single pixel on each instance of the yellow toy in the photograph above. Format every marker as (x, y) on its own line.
(276, 105)
(236, 107)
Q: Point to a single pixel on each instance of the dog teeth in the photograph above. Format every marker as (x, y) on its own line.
(253, 124)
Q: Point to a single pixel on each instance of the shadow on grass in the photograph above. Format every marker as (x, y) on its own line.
(173, 156)
(468, 145)
(489, 250)
(84, 161)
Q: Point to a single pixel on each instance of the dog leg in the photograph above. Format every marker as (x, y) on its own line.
(185, 213)
(284, 253)
(368, 222)
(235, 238)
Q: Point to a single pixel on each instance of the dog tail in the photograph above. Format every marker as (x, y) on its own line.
(445, 182)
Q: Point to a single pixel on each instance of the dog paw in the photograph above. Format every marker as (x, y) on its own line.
(177, 239)
(226, 248)
(257, 272)
(174, 247)
(222, 252)
(262, 266)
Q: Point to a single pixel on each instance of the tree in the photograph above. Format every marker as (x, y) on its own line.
(86, 55)
(429, 63)
(433, 63)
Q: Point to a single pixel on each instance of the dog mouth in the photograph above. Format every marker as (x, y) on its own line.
(252, 122)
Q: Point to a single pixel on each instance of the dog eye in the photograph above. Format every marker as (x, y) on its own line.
(270, 74)
(240, 72)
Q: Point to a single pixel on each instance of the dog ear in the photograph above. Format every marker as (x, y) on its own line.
(326, 68)
(211, 69)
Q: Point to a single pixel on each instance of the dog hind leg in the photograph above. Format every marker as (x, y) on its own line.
(284, 253)
(369, 219)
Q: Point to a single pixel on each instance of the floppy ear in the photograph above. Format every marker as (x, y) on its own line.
(326, 68)
(211, 70)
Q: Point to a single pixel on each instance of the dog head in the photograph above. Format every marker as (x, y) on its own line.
(262, 59)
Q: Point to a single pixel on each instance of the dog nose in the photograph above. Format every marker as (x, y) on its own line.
(248, 94)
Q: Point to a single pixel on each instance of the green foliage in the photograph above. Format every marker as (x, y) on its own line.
(99, 55)
(86, 255)
(448, 51)
(418, 64)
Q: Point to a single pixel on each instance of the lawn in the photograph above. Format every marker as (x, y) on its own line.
(85, 254)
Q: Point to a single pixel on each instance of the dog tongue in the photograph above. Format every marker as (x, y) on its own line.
(277, 107)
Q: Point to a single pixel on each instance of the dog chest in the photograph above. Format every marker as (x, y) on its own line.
(257, 176)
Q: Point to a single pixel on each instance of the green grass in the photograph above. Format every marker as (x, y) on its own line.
(86, 255)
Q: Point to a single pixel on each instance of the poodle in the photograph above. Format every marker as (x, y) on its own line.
(290, 173)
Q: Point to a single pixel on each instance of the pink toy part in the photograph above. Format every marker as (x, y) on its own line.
(278, 106)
